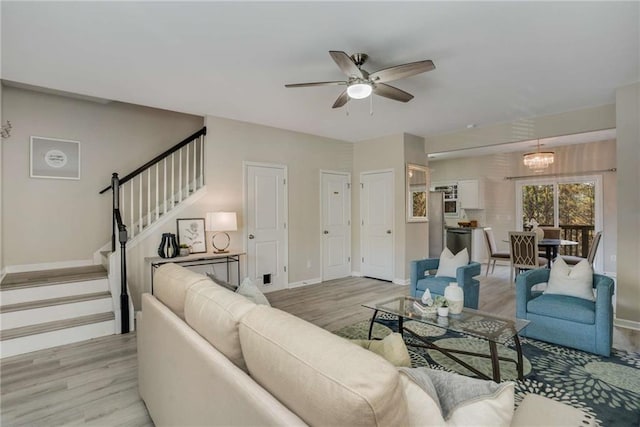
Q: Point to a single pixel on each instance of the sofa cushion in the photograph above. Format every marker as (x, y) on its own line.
(170, 285)
(214, 312)
(324, 379)
(449, 263)
(436, 285)
(422, 409)
(466, 401)
(563, 307)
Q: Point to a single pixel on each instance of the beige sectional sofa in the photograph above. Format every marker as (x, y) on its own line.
(208, 356)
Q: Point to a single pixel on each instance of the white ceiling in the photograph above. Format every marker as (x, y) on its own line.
(495, 61)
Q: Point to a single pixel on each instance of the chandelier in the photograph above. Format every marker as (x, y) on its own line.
(538, 160)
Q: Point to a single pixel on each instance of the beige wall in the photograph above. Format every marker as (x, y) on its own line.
(1, 184)
(49, 220)
(500, 203)
(386, 153)
(230, 142)
(628, 206)
(227, 145)
(416, 233)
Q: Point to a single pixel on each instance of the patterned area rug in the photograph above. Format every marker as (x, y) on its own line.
(606, 388)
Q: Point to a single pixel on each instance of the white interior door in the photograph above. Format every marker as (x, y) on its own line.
(336, 225)
(376, 211)
(266, 208)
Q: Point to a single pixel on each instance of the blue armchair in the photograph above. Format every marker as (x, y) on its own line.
(464, 276)
(565, 320)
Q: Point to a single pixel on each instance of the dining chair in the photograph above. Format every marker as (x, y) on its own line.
(591, 256)
(551, 232)
(524, 252)
(492, 250)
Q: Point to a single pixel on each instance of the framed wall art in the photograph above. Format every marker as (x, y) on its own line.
(191, 233)
(54, 158)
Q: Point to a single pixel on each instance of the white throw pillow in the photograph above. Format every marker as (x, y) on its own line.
(575, 282)
(249, 289)
(466, 401)
(449, 263)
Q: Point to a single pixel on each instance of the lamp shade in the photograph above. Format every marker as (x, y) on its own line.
(221, 221)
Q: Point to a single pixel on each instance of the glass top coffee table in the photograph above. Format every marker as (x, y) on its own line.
(494, 329)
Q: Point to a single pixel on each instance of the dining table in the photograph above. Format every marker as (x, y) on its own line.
(551, 247)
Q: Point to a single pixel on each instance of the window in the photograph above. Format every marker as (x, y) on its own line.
(571, 203)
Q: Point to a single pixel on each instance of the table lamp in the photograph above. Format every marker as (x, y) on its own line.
(220, 223)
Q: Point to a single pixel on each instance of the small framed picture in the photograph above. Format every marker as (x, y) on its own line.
(54, 158)
(191, 233)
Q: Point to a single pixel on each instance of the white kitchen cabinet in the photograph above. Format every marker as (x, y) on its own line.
(471, 194)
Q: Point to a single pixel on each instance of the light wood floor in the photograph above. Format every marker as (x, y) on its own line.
(95, 382)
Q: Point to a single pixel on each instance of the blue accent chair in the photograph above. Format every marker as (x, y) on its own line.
(464, 276)
(565, 320)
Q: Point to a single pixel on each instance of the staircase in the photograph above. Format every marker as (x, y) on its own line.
(43, 309)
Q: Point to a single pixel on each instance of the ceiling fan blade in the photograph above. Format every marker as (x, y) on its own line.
(401, 71)
(346, 64)
(315, 84)
(392, 92)
(342, 100)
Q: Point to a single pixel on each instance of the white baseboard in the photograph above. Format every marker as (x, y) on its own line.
(627, 324)
(48, 266)
(356, 274)
(402, 282)
(307, 282)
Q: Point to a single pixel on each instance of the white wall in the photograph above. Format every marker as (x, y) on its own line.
(49, 220)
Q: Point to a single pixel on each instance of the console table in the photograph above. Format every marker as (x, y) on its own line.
(198, 259)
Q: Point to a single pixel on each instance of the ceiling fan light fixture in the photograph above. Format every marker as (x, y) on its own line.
(359, 90)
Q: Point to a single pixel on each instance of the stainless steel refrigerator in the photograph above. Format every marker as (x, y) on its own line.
(436, 224)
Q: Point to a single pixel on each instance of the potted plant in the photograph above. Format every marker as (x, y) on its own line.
(184, 249)
(443, 306)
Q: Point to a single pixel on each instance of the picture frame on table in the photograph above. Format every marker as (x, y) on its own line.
(191, 232)
(54, 158)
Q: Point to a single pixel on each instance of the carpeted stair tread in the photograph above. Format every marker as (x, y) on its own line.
(55, 326)
(30, 305)
(52, 277)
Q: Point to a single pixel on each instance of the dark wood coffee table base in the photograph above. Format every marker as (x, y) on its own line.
(450, 353)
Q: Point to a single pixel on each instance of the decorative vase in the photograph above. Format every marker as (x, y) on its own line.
(539, 233)
(443, 311)
(455, 295)
(168, 246)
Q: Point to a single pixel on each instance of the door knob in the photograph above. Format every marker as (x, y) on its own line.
(388, 231)
(325, 232)
(251, 236)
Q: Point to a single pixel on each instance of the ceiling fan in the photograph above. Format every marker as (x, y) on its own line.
(361, 83)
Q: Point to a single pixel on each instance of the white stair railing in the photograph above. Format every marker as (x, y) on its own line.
(141, 189)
